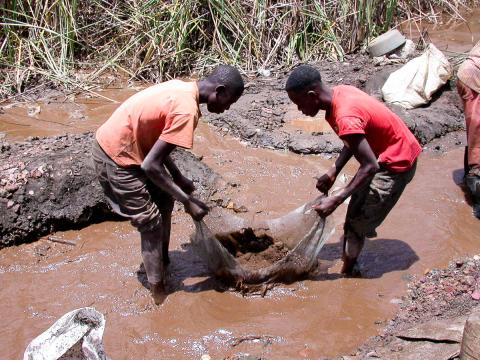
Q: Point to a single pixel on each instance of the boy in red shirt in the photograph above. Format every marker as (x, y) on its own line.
(132, 159)
(380, 141)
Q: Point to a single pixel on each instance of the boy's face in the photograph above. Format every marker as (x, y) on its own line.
(307, 102)
(220, 100)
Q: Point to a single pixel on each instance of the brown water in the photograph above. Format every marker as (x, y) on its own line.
(326, 316)
(447, 35)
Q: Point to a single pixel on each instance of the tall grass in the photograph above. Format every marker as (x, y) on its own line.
(157, 39)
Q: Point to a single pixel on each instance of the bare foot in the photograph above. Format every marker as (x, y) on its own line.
(350, 267)
(158, 293)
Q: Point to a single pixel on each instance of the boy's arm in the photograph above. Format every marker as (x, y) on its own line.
(153, 166)
(185, 184)
(325, 182)
(360, 148)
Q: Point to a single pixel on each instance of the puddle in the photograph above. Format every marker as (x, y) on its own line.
(453, 36)
(316, 124)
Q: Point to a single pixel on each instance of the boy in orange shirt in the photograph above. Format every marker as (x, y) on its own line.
(380, 141)
(131, 154)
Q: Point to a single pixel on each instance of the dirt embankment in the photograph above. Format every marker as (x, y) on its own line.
(262, 115)
(432, 315)
(49, 184)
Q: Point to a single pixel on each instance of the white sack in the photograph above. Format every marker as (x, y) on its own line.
(414, 83)
(76, 335)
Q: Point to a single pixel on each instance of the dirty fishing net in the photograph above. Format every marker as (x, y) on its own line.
(249, 254)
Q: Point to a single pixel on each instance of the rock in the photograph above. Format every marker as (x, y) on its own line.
(470, 348)
(10, 203)
(476, 295)
(42, 250)
(33, 110)
(12, 187)
(241, 209)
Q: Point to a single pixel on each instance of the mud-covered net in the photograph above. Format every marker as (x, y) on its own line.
(292, 243)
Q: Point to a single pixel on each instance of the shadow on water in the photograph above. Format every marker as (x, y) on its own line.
(188, 272)
(378, 257)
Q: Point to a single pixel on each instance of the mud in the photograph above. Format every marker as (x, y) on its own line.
(49, 184)
(265, 117)
(252, 251)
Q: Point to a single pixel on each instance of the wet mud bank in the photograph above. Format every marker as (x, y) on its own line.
(49, 184)
(265, 117)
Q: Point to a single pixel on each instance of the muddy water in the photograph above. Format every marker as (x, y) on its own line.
(447, 35)
(324, 316)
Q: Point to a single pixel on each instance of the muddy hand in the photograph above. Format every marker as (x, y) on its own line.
(325, 182)
(196, 208)
(327, 205)
(200, 203)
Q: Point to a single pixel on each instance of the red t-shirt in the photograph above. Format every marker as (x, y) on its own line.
(355, 112)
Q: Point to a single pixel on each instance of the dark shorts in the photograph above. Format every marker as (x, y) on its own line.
(370, 205)
(130, 193)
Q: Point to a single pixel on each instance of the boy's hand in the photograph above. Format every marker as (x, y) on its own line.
(185, 184)
(196, 208)
(327, 205)
(325, 182)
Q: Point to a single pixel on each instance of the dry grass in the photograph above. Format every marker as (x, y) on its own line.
(156, 39)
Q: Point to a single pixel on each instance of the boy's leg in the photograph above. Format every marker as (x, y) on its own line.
(164, 202)
(152, 260)
(127, 192)
(166, 226)
(367, 210)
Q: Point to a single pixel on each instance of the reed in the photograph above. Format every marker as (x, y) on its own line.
(155, 39)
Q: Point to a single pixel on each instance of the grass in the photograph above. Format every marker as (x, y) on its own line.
(154, 40)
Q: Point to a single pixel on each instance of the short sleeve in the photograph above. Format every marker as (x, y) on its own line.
(350, 125)
(180, 130)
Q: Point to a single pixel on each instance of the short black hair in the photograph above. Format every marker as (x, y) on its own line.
(303, 78)
(229, 77)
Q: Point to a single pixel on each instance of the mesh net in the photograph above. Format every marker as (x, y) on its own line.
(295, 239)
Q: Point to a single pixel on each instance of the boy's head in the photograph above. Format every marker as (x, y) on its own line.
(227, 87)
(303, 87)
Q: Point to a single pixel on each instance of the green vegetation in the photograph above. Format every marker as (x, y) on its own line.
(157, 39)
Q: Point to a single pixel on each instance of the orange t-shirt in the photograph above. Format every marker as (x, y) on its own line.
(168, 111)
(355, 112)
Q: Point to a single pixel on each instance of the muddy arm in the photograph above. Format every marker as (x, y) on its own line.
(359, 147)
(185, 184)
(154, 168)
(326, 181)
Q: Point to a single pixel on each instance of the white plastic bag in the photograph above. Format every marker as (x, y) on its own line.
(76, 335)
(414, 83)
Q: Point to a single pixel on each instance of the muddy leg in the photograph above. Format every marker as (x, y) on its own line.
(166, 227)
(152, 260)
(352, 246)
